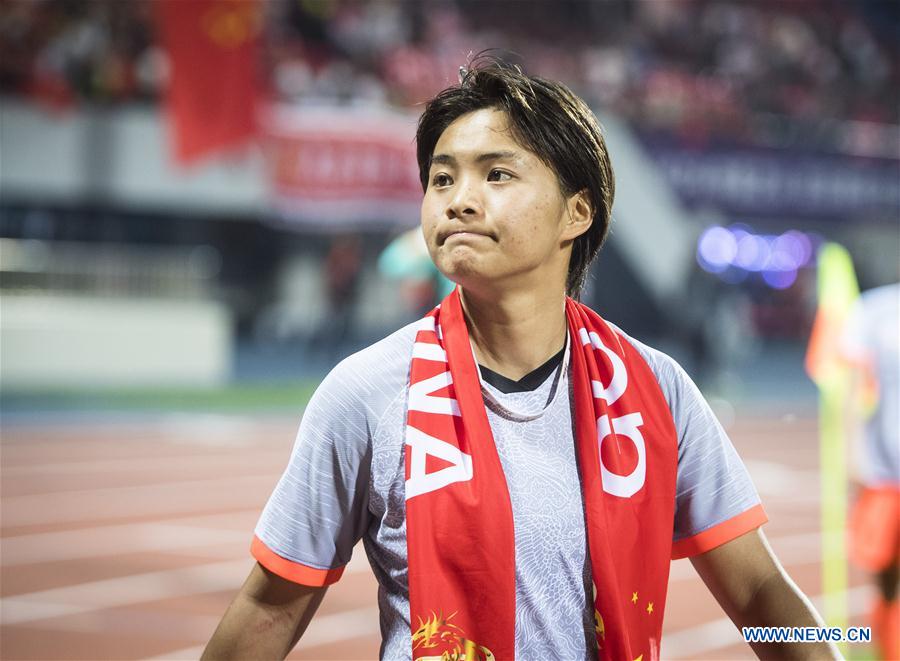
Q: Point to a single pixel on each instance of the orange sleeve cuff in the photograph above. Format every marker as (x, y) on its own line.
(290, 570)
(719, 534)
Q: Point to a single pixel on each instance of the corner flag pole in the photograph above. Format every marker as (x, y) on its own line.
(837, 290)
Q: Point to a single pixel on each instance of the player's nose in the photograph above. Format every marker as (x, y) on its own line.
(465, 201)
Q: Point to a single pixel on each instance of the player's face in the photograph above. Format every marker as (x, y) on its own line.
(493, 212)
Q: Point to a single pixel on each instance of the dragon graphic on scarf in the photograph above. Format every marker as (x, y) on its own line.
(439, 632)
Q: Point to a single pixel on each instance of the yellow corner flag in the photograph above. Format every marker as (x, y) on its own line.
(837, 291)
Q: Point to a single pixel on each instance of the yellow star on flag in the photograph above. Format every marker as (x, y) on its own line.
(650, 607)
(634, 599)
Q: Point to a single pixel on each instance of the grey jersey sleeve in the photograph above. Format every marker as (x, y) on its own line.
(715, 500)
(319, 509)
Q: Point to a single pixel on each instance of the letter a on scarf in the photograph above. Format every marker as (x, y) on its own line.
(459, 522)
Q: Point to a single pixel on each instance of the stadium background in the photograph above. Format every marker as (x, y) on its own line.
(195, 204)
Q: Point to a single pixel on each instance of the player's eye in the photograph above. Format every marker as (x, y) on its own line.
(441, 179)
(499, 175)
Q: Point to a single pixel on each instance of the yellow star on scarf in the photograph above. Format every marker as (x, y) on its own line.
(634, 601)
(650, 607)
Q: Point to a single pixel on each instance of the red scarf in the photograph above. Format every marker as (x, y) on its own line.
(459, 524)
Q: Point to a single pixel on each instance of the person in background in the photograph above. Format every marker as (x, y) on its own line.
(406, 260)
(342, 271)
(871, 344)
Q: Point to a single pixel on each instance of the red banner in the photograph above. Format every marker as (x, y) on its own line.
(213, 50)
(343, 167)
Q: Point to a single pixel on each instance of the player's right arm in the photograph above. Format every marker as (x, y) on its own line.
(266, 618)
(309, 526)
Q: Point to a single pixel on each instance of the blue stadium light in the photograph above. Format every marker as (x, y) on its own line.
(780, 279)
(716, 249)
(753, 252)
(735, 252)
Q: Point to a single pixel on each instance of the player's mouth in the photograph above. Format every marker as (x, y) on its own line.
(461, 234)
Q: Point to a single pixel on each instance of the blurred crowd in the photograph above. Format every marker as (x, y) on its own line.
(64, 51)
(698, 69)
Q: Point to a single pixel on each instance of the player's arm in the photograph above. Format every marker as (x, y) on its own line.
(855, 354)
(853, 421)
(753, 588)
(310, 524)
(266, 618)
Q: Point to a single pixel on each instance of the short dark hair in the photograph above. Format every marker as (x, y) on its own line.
(546, 118)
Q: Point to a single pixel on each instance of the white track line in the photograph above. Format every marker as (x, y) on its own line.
(172, 499)
(274, 459)
(323, 630)
(103, 541)
(791, 550)
(135, 589)
(186, 654)
(776, 481)
(83, 491)
(127, 590)
(237, 519)
(682, 644)
(721, 633)
(172, 625)
(190, 428)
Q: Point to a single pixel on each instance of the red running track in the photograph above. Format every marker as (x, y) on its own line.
(126, 539)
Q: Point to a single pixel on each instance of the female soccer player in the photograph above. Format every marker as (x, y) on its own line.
(520, 470)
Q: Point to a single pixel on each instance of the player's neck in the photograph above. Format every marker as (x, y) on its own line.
(515, 332)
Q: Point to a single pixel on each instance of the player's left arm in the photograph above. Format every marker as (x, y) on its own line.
(753, 588)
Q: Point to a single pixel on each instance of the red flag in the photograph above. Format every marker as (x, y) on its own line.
(213, 50)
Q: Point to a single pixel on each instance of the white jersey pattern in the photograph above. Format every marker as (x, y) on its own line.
(345, 482)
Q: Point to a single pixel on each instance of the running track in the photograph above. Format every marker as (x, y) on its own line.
(125, 538)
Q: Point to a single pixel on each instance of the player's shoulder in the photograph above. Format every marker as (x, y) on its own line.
(372, 377)
(695, 423)
(668, 372)
(386, 356)
(885, 297)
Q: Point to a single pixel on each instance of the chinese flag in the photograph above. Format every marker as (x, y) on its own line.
(213, 50)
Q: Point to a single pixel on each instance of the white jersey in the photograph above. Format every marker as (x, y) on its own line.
(345, 481)
(872, 340)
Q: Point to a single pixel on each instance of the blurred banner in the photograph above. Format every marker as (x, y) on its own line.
(342, 167)
(763, 181)
(213, 47)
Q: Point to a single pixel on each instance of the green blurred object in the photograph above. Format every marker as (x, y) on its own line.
(263, 397)
(837, 292)
(407, 258)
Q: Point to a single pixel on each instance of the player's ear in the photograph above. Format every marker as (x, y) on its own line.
(579, 215)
